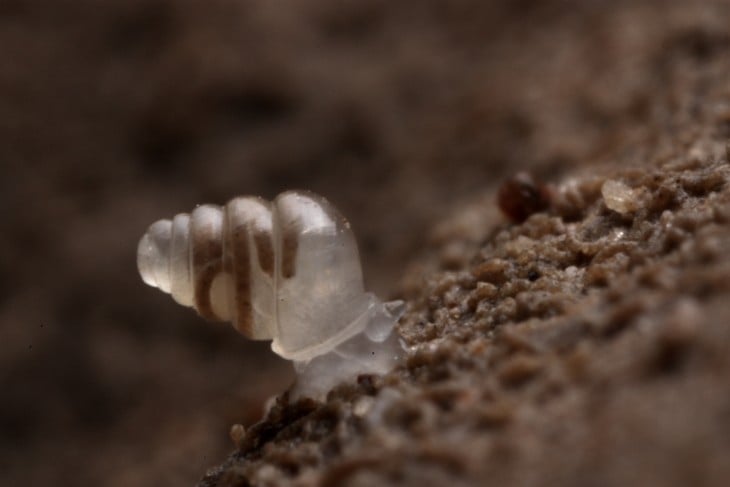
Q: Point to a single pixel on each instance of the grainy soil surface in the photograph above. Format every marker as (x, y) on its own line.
(583, 341)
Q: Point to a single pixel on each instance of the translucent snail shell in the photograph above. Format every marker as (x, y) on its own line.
(287, 270)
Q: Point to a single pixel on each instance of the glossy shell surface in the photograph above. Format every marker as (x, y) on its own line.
(287, 270)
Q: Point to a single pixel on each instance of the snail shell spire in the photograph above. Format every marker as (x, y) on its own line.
(288, 270)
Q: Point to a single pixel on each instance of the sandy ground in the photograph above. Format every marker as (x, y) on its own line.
(586, 345)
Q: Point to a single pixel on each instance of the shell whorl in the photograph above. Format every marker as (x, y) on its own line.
(287, 270)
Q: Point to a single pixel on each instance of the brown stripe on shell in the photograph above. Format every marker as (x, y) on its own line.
(240, 269)
(207, 264)
(289, 245)
(265, 250)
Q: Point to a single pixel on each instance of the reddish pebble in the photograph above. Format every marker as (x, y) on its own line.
(521, 195)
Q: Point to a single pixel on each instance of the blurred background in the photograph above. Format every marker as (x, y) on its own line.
(114, 114)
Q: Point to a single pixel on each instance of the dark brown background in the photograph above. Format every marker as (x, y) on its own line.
(116, 113)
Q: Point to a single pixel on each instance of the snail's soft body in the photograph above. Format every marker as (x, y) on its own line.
(287, 271)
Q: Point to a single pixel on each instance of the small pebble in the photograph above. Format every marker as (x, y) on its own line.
(619, 197)
(522, 195)
(237, 434)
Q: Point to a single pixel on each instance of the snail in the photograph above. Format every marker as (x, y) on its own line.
(287, 271)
